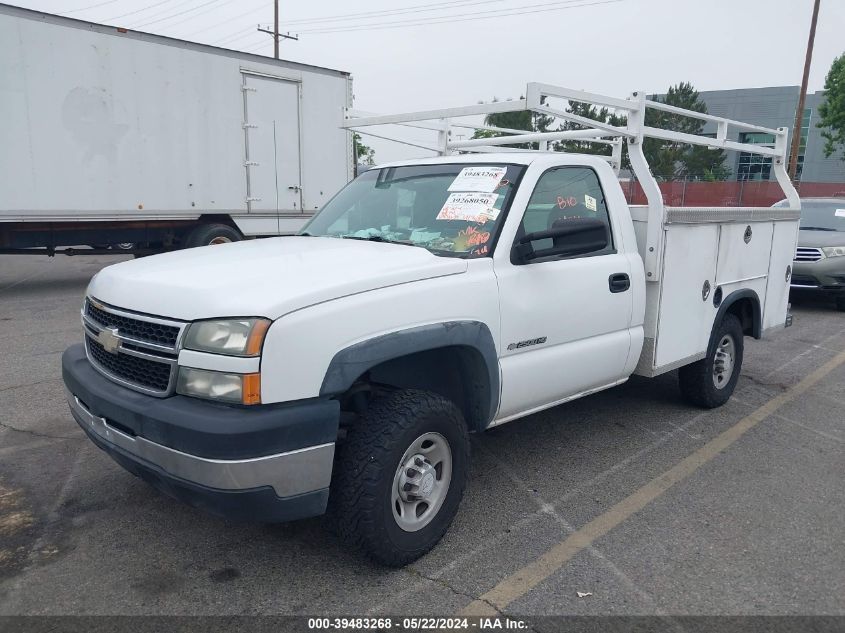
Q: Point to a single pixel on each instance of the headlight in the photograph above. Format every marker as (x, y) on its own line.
(233, 337)
(834, 251)
(216, 385)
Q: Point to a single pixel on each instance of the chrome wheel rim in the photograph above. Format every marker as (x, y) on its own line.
(421, 482)
(723, 362)
(219, 240)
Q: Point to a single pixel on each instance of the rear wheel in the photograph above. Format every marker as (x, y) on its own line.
(710, 382)
(840, 304)
(400, 476)
(212, 234)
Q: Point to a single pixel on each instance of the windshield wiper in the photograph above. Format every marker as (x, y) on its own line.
(816, 228)
(379, 238)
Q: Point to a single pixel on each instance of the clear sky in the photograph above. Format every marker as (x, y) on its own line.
(415, 54)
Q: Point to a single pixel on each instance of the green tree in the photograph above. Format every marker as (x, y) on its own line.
(363, 153)
(516, 120)
(669, 160)
(602, 115)
(832, 110)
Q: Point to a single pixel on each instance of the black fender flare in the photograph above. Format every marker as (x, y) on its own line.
(756, 309)
(349, 363)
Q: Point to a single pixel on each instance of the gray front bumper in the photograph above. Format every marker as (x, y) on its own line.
(289, 474)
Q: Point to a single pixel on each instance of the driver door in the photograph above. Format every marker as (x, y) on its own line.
(564, 321)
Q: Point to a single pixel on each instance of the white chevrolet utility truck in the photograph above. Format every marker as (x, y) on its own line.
(343, 369)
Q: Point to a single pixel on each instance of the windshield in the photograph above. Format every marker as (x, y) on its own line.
(821, 215)
(451, 210)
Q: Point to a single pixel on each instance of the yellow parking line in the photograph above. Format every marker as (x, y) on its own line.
(524, 580)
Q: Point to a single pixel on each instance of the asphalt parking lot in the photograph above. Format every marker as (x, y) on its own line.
(629, 496)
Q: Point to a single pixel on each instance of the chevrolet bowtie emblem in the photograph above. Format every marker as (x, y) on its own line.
(109, 340)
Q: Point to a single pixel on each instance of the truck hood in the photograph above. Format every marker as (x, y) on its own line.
(263, 278)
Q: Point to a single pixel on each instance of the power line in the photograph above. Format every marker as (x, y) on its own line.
(191, 17)
(244, 14)
(158, 13)
(234, 37)
(354, 16)
(464, 17)
(252, 49)
(244, 33)
(176, 15)
(124, 15)
(234, 46)
(233, 18)
(90, 6)
(420, 8)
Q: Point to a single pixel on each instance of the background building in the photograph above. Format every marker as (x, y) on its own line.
(773, 108)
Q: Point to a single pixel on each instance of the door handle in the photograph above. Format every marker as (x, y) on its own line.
(619, 282)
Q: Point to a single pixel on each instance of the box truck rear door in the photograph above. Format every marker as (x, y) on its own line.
(271, 114)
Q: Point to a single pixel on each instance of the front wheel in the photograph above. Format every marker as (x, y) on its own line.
(710, 382)
(400, 476)
(840, 304)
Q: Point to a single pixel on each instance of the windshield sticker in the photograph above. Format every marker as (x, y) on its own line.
(470, 238)
(562, 202)
(840, 213)
(590, 202)
(482, 179)
(470, 207)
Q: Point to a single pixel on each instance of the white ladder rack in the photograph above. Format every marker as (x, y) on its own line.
(633, 132)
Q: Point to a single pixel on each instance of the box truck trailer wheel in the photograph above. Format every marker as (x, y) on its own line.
(211, 234)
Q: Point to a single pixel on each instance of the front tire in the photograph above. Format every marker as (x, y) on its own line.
(840, 304)
(400, 476)
(710, 382)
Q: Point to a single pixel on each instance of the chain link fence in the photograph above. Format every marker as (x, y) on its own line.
(733, 193)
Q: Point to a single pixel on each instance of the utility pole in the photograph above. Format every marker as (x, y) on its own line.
(275, 32)
(276, 29)
(799, 113)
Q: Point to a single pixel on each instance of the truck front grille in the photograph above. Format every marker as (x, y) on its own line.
(147, 373)
(149, 331)
(806, 254)
(134, 350)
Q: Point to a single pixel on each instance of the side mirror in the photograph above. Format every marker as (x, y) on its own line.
(576, 236)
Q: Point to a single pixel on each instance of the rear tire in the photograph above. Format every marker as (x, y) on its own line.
(211, 234)
(400, 476)
(710, 382)
(840, 304)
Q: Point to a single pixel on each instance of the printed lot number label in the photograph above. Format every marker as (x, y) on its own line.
(482, 179)
(470, 207)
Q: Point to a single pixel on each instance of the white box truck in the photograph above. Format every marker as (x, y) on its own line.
(110, 136)
(342, 368)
